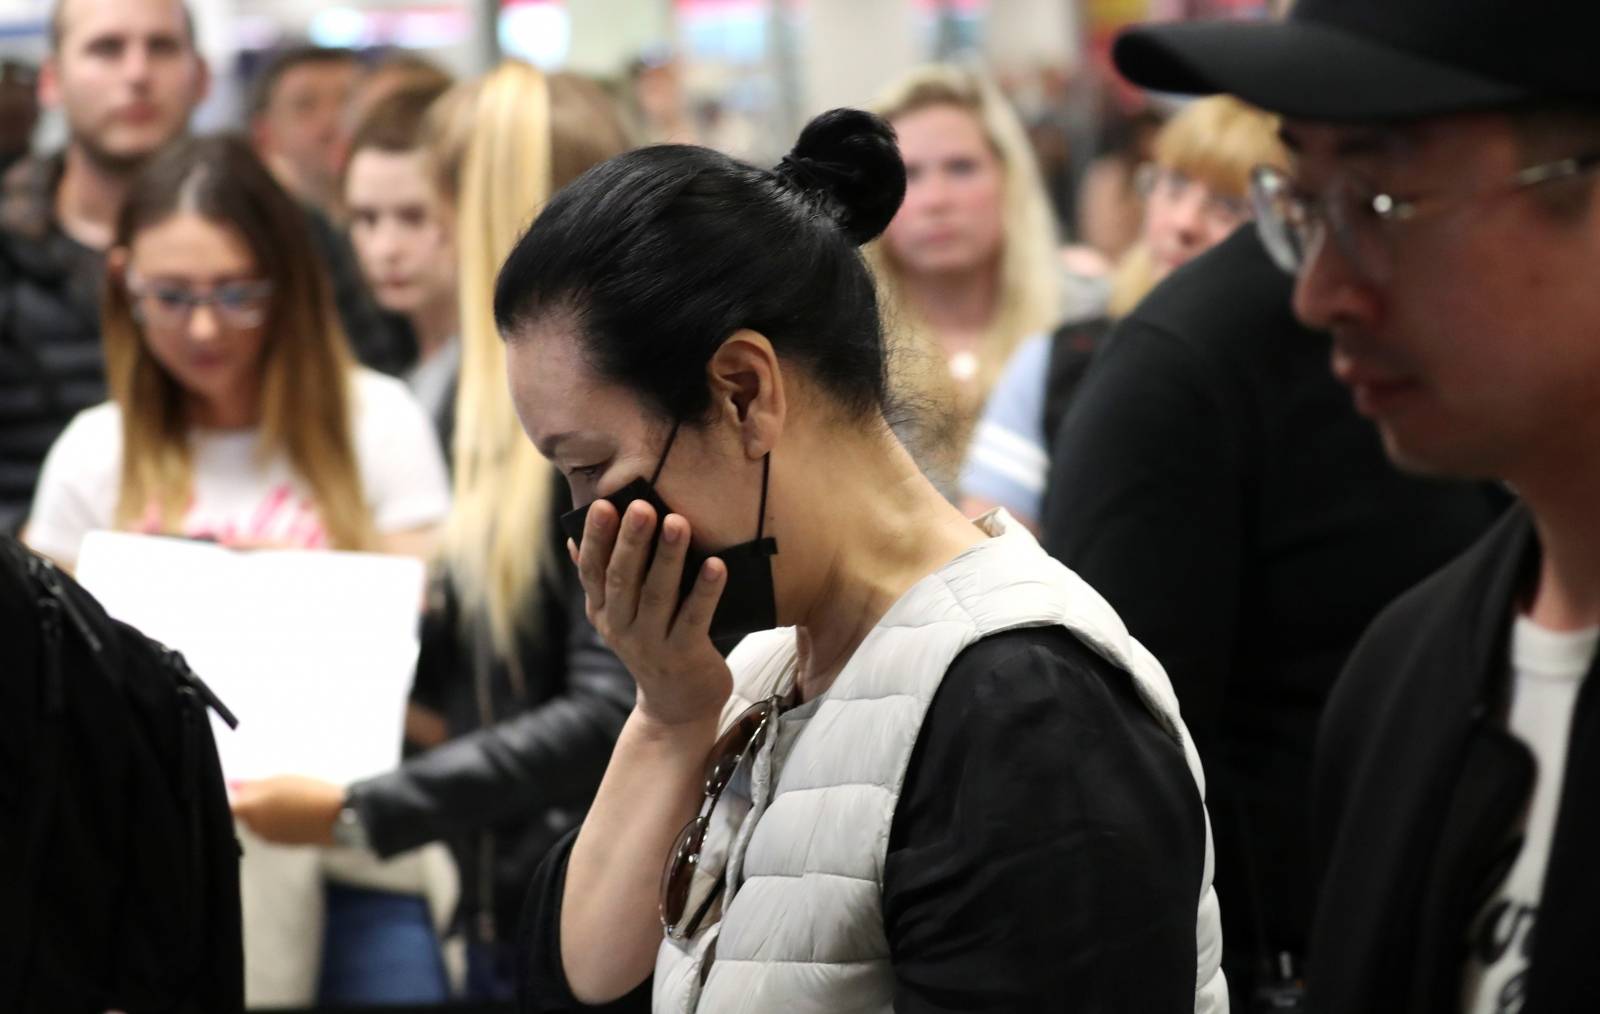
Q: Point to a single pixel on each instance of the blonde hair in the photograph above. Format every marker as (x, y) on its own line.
(503, 145)
(307, 371)
(1030, 298)
(1216, 141)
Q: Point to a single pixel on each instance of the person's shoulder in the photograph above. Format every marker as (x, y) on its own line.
(25, 197)
(380, 398)
(1233, 294)
(1031, 353)
(1047, 660)
(97, 426)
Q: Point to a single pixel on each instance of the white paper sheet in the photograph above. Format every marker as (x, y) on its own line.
(314, 652)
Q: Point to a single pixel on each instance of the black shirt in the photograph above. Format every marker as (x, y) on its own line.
(1213, 481)
(1046, 852)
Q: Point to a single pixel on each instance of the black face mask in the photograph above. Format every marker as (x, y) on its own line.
(748, 602)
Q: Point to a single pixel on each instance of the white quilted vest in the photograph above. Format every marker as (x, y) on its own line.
(803, 831)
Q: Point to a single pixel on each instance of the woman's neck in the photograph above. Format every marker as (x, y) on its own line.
(436, 324)
(241, 410)
(888, 528)
(958, 306)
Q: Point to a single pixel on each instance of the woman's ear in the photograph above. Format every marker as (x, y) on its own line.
(747, 390)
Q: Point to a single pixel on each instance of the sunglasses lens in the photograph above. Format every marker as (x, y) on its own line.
(687, 892)
(745, 733)
(678, 879)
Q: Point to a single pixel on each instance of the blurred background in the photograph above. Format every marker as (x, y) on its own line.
(740, 75)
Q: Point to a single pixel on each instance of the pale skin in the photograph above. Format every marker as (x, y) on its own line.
(299, 134)
(946, 237)
(403, 233)
(1496, 378)
(849, 548)
(126, 76)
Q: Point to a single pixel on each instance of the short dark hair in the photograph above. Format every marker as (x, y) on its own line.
(662, 253)
(57, 24)
(283, 62)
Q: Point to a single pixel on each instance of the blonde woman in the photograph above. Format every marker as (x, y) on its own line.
(237, 414)
(528, 702)
(1195, 195)
(968, 266)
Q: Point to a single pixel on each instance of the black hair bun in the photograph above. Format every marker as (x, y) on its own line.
(849, 160)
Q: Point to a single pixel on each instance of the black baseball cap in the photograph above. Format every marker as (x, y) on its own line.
(1347, 60)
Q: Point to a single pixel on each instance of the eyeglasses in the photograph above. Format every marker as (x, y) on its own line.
(1151, 180)
(1362, 218)
(169, 305)
(687, 893)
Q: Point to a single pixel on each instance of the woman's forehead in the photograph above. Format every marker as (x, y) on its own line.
(558, 393)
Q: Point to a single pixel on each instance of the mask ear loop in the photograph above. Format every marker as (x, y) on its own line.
(662, 462)
(761, 518)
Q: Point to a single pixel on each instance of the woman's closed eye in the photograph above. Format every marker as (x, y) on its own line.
(590, 472)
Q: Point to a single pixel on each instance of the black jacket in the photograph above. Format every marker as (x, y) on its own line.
(529, 744)
(1213, 481)
(1418, 792)
(51, 366)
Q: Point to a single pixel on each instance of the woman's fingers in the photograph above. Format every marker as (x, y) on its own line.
(658, 598)
(599, 535)
(693, 624)
(625, 572)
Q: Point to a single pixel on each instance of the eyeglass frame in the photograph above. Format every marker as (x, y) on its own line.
(726, 756)
(140, 289)
(1289, 248)
(1148, 176)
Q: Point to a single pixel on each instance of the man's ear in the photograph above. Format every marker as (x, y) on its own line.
(747, 390)
(49, 84)
(202, 81)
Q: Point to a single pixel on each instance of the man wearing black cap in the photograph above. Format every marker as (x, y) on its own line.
(1442, 223)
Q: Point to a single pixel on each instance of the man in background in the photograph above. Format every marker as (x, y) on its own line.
(296, 120)
(298, 126)
(126, 76)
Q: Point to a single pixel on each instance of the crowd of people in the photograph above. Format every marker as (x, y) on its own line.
(844, 595)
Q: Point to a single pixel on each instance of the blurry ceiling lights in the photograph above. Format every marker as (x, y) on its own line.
(422, 27)
(538, 31)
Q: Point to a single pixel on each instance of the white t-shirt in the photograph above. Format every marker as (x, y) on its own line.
(239, 495)
(1548, 668)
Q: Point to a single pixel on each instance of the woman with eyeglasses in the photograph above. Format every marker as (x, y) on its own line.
(1196, 192)
(935, 772)
(237, 414)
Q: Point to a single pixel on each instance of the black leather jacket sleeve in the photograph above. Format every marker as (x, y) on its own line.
(547, 756)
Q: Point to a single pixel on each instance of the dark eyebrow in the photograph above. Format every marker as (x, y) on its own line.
(551, 446)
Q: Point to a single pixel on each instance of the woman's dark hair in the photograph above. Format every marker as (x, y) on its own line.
(660, 254)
